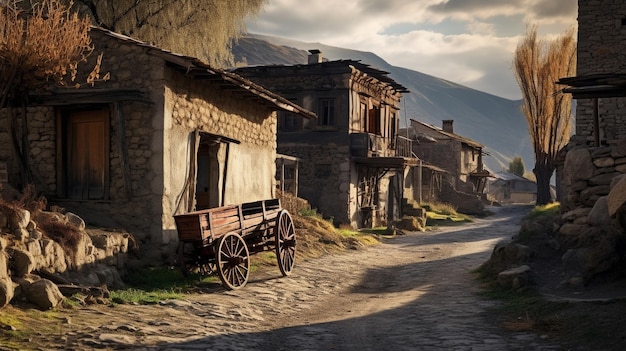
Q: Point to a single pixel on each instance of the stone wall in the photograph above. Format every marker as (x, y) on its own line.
(28, 254)
(324, 178)
(601, 49)
(589, 234)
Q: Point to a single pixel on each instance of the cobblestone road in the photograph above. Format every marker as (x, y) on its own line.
(412, 292)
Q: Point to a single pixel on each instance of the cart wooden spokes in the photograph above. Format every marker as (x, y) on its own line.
(222, 239)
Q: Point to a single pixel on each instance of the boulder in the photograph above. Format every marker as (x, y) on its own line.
(410, 223)
(599, 214)
(617, 196)
(588, 261)
(6, 285)
(578, 164)
(572, 230)
(515, 278)
(43, 293)
(7, 291)
(23, 262)
(506, 255)
(578, 212)
(19, 218)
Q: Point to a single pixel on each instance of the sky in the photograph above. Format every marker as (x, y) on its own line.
(469, 42)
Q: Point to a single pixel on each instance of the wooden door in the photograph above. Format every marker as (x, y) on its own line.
(87, 154)
(202, 179)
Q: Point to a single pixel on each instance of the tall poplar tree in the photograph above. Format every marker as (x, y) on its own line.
(538, 64)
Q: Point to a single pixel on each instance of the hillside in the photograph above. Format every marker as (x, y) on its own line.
(488, 119)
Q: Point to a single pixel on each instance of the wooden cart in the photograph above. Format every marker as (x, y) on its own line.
(221, 239)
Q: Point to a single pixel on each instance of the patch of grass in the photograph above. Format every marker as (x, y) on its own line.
(440, 208)
(549, 210)
(438, 213)
(310, 212)
(143, 297)
(18, 326)
(433, 218)
(151, 285)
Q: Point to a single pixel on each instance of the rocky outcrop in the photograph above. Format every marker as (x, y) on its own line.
(506, 255)
(591, 228)
(81, 257)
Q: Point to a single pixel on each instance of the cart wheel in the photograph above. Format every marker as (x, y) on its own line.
(191, 259)
(285, 243)
(233, 263)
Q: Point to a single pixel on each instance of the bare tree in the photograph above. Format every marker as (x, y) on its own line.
(37, 46)
(538, 65)
(203, 29)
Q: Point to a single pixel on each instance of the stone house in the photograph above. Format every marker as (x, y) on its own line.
(506, 187)
(463, 180)
(593, 168)
(165, 134)
(353, 163)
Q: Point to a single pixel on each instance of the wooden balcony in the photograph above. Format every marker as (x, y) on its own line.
(376, 151)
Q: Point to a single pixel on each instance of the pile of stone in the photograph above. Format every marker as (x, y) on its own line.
(592, 220)
(39, 270)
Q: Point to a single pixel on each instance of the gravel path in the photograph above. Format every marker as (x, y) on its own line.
(412, 292)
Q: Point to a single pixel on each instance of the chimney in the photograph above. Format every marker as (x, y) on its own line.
(448, 125)
(315, 56)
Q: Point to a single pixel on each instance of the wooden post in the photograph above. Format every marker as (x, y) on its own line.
(295, 179)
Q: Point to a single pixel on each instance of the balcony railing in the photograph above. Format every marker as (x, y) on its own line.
(373, 145)
(404, 146)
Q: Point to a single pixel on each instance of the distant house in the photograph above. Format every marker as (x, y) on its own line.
(461, 157)
(506, 187)
(166, 134)
(451, 164)
(353, 162)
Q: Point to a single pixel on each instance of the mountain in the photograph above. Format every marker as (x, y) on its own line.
(490, 120)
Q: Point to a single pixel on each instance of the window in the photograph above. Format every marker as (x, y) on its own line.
(373, 121)
(363, 116)
(288, 122)
(84, 154)
(326, 115)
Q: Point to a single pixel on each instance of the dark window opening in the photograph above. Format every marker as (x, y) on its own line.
(373, 121)
(363, 116)
(326, 116)
(289, 122)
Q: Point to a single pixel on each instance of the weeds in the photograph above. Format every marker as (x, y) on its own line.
(549, 210)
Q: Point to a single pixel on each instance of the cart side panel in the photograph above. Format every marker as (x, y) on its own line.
(192, 226)
(223, 220)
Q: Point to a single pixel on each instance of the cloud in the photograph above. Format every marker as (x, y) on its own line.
(469, 42)
(532, 10)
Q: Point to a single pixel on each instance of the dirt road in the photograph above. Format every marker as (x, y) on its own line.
(412, 292)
